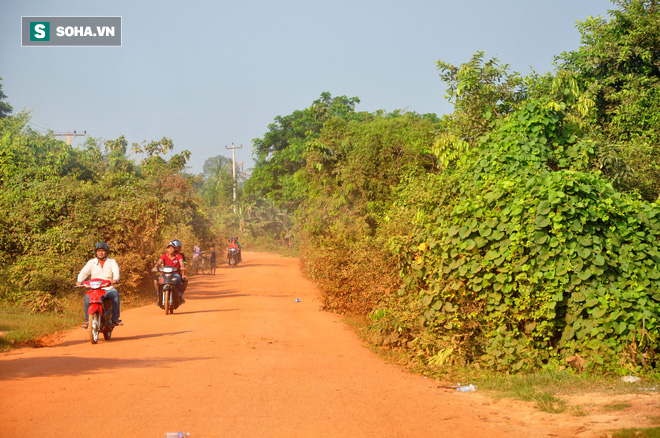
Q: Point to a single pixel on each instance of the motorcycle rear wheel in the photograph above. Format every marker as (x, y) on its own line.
(107, 335)
(204, 267)
(94, 327)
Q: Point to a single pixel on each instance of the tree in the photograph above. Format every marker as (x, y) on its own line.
(218, 183)
(481, 92)
(5, 108)
(619, 63)
(280, 153)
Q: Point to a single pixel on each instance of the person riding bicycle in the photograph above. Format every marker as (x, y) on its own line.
(172, 258)
(107, 269)
(196, 252)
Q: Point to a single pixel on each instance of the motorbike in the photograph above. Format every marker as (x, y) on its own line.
(232, 257)
(99, 310)
(168, 296)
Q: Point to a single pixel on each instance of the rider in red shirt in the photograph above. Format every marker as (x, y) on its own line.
(233, 244)
(174, 259)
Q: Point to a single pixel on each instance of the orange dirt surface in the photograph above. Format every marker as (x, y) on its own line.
(241, 358)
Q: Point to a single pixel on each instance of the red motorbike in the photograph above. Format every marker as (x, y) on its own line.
(99, 310)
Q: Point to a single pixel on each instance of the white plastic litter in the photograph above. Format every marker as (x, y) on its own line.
(630, 379)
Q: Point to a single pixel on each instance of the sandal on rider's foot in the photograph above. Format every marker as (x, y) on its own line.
(85, 325)
(118, 322)
(181, 300)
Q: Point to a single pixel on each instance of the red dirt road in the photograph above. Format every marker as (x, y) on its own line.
(241, 358)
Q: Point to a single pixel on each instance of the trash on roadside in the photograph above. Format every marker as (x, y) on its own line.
(466, 388)
(630, 379)
(297, 300)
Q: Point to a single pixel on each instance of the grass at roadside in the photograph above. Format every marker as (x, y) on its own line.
(547, 390)
(653, 432)
(18, 325)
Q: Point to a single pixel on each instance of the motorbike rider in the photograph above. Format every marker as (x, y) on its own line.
(107, 269)
(240, 249)
(232, 245)
(174, 259)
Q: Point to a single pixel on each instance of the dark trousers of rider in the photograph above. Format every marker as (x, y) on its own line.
(176, 279)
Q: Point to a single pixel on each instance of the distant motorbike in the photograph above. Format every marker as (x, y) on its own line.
(232, 257)
(168, 296)
(99, 310)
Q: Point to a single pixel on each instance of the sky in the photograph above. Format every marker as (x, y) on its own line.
(211, 73)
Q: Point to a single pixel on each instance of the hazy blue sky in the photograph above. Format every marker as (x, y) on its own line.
(208, 73)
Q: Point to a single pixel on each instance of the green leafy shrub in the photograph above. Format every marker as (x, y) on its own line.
(58, 201)
(530, 259)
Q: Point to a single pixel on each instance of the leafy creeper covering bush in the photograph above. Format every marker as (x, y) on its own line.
(531, 258)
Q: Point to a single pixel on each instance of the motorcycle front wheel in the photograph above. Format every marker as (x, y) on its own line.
(166, 300)
(94, 327)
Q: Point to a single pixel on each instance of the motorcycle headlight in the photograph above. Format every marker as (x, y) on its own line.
(95, 284)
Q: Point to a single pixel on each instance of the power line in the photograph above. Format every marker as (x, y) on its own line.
(40, 127)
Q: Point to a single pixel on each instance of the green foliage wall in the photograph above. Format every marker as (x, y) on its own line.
(352, 171)
(619, 65)
(527, 258)
(58, 201)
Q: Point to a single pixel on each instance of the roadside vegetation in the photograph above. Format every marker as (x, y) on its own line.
(518, 236)
(517, 232)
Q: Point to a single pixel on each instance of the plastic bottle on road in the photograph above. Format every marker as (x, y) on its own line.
(177, 434)
(468, 388)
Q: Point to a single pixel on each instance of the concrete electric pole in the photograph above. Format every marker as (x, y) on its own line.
(68, 136)
(233, 168)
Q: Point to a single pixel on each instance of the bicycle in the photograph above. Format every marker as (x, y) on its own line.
(195, 266)
(204, 263)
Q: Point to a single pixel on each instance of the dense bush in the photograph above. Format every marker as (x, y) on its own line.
(58, 201)
(527, 258)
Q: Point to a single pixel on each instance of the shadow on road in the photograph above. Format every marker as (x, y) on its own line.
(204, 311)
(196, 295)
(24, 368)
(117, 337)
(252, 265)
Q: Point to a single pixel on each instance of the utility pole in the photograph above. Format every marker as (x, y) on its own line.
(233, 168)
(68, 136)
